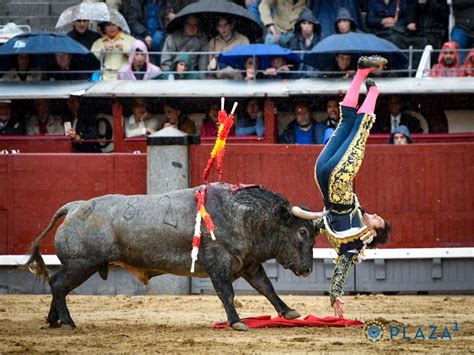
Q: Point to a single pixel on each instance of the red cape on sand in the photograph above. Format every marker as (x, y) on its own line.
(309, 321)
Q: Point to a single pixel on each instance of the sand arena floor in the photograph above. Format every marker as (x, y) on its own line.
(178, 324)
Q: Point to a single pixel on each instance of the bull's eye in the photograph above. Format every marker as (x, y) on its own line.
(303, 233)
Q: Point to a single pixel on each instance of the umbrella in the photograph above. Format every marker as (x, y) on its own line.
(42, 43)
(235, 57)
(208, 13)
(357, 43)
(99, 12)
(83, 11)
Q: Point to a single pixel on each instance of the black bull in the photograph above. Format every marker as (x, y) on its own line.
(152, 235)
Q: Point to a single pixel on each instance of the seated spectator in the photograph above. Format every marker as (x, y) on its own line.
(82, 127)
(344, 22)
(303, 129)
(251, 123)
(469, 64)
(252, 8)
(280, 17)
(400, 136)
(279, 69)
(326, 12)
(42, 121)
(23, 69)
(448, 62)
(187, 39)
(143, 19)
(179, 69)
(176, 118)
(210, 126)
(141, 122)
(114, 47)
(332, 119)
(307, 35)
(226, 39)
(169, 9)
(64, 68)
(463, 30)
(389, 123)
(251, 67)
(8, 125)
(343, 67)
(139, 66)
(82, 34)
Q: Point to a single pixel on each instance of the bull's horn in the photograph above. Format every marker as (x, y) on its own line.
(299, 212)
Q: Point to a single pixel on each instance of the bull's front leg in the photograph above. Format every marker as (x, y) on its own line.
(258, 279)
(222, 281)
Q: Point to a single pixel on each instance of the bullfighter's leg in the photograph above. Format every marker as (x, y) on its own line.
(222, 281)
(258, 279)
(69, 276)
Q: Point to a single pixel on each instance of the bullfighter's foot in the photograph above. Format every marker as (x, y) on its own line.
(291, 314)
(369, 83)
(240, 326)
(374, 62)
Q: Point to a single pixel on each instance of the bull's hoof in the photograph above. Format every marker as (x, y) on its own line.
(374, 61)
(240, 326)
(292, 314)
(64, 325)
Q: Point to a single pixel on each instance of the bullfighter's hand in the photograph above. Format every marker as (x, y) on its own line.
(338, 307)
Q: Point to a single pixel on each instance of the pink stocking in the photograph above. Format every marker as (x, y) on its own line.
(368, 106)
(352, 96)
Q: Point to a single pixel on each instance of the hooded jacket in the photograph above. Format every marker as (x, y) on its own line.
(403, 130)
(126, 72)
(343, 14)
(468, 64)
(441, 70)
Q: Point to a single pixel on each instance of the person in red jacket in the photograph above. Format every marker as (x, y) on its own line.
(448, 62)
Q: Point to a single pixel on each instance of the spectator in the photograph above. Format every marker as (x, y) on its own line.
(326, 12)
(430, 20)
(389, 123)
(251, 67)
(344, 22)
(469, 64)
(139, 66)
(463, 30)
(64, 68)
(22, 69)
(82, 34)
(187, 39)
(42, 121)
(8, 125)
(180, 68)
(251, 123)
(400, 136)
(252, 8)
(114, 46)
(226, 39)
(280, 16)
(448, 64)
(140, 123)
(143, 19)
(176, 118)
(279, 69)
(342, 67)
(303, 130)
(209, 126)
(307, 35)
(332, 119)
(82, 127)
(169, 9)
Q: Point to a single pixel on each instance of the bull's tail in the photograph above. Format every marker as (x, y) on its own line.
(36, 262)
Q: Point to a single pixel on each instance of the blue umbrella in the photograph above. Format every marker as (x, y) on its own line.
(235, 57)
(42, 43)
(357, 43)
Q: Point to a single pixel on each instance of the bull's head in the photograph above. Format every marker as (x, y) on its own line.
(296, 239)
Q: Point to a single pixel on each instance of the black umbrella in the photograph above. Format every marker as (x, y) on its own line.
(208, 13)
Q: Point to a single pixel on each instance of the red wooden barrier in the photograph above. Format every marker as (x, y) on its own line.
(36, 144)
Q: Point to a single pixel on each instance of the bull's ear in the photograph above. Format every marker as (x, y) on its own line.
(282, 213)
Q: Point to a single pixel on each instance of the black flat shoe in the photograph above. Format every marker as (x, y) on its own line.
(369, 82)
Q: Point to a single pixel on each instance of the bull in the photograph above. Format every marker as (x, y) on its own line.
(151, 235)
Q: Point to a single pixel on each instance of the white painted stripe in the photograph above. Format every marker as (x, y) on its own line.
(403, 253)
(318, 253)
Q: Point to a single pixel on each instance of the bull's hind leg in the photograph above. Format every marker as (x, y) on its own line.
(255, 275)
(69, 276)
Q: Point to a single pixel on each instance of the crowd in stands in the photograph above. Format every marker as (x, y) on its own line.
(295, 24)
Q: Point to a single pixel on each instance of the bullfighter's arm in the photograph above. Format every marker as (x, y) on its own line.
(339, 276)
